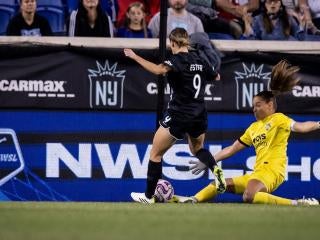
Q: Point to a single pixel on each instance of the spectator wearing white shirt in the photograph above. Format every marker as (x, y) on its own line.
(178, 17)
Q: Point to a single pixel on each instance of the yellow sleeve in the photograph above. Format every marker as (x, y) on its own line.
(284, 122)
(245, 139)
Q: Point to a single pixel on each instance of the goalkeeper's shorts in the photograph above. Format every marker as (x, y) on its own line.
(271, 179)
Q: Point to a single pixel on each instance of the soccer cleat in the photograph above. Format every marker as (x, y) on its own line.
(183, 199)
(141, 198)
(307, 201)
(220, 182)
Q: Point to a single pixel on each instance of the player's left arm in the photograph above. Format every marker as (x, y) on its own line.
(158, 69)
(304, 127)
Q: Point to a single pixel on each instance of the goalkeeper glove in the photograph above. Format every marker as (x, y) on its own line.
(197, 167)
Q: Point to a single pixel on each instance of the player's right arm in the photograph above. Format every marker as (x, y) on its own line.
(159, 69)
(229, 151)
(304, 127)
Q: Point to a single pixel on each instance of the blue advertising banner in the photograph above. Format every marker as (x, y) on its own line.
(103, 156)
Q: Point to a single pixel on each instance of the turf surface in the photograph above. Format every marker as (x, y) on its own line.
(59, 221)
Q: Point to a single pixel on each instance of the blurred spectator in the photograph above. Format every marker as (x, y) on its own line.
(273, 24)
(311, 10)
(289, 4)
(215, 26)
(292, 7)
(298, 9)
(151, 7)
(178, 16)
(135, 23)
(28, 22)
(232, 10)
(90, 20)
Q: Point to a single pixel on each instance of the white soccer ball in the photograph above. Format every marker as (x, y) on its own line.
(164, 191)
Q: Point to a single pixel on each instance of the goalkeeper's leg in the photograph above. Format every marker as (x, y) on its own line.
(256, 193)
(206, 194)
(210, 191)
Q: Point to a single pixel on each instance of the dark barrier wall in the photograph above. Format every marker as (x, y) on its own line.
(77, 123)
(88, 78)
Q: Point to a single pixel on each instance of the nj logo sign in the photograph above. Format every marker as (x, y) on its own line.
(11, 161)
(252, 80)
(106, 86)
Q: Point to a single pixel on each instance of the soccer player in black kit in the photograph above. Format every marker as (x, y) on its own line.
(187, 75)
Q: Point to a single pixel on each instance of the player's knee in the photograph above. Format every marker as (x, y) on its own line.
(248, 196)
(156, 155)
(195, 147)
(194, 150)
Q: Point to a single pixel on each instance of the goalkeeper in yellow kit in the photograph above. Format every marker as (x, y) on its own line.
(269, 136)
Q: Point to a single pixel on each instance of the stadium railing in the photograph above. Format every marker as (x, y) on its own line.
(223, 45)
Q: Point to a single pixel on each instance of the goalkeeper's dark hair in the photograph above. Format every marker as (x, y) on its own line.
(283, 78)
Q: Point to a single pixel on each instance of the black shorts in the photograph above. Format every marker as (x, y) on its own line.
(178, 126)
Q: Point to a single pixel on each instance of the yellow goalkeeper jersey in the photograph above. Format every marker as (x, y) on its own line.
(270, 139)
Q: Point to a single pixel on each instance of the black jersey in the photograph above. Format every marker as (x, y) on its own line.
(187, 78)
(18, 26)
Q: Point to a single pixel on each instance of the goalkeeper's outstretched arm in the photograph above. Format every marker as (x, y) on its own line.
(229, 151)
(304, 127)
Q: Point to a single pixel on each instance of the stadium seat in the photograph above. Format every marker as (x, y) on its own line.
(51, 3)
(6, 13)
(53, 11)
(56, 18)
(8, 2)
(110, 6)
(14, 4)
(71, 5)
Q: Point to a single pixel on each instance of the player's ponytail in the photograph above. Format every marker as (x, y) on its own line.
(283, 77)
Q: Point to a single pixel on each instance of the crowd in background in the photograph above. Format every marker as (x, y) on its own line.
(221, 19)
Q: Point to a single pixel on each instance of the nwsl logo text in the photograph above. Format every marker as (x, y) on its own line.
(11, 160)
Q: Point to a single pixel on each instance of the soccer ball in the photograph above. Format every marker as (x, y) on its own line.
(164, 191)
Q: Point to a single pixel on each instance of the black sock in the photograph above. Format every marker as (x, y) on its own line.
(206, 157)
(153, 175)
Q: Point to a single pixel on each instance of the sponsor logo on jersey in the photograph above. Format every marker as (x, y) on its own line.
(268, 126)
(106, 86)
(250, 80)
(259, 140)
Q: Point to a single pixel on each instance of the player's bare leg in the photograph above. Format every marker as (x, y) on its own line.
(162, 141)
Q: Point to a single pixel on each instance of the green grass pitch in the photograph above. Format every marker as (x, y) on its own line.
(130, 221)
